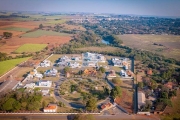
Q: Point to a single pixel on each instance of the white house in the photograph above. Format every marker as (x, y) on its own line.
(34, 73)
(45, 92)
(123, 73)
(30, 85)
(73, 64)
(120, 62)
(52, 72)
(45, 63)
(75, 58)
(92, 57)
(44, 83)
(64, 59)
(50, 108)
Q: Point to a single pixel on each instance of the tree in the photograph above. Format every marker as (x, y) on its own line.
(91, 104)
(116, 92)
(164, 95)
(44, 104)
(83, 117)
(117, 81)
(8, 105)
(7, 34)
(140, 84)
(61, 104)
(40, 26)
(67, 69)
(102, 69)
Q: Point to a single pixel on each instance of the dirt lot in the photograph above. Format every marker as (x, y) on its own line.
(13, 43)
(169, 44)
(23, 24)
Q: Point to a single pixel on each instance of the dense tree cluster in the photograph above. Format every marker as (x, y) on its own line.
(7, 34)
(21, 100)
(135, 25)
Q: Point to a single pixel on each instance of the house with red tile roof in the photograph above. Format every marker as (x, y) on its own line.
(50, 108)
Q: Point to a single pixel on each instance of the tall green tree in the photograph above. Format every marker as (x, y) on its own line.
(40, 26)
(116, 92)
(102, 69)
(91, 104)
(117, 81)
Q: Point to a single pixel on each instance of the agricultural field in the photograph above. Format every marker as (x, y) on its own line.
(31, 48)
(52, 22)
(9, 64)
(14, 43)
(16, 29)
(167, 45)
(15, 33)
(39, 33)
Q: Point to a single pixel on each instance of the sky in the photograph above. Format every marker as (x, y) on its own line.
(135, 7)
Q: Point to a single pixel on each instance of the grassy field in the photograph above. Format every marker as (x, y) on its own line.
(39, 33)
(170, 44)
(54, 57)
(30, 48)
(16, 29)
(99, 49)
(61, 21)
(9, 64)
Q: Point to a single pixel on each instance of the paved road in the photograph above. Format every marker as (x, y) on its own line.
(68, 117)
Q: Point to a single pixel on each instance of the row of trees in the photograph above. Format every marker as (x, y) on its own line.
(4, 56)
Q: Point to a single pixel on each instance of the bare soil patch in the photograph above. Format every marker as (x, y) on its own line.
(13, 43)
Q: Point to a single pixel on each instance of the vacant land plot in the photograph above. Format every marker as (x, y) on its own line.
(54, 58)
(16, 29)
(9, 64)
(39, 33)
(73, 90)
(167, 45)
(30, 48)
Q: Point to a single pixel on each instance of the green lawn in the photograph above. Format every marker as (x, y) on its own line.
(39, 33)
(9, 64)
(54, 57)
(16, 29)
(30, 48)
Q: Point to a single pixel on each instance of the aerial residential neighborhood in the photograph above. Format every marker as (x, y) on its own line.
(89, 60)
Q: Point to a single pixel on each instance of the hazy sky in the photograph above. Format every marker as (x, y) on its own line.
(138, 7)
